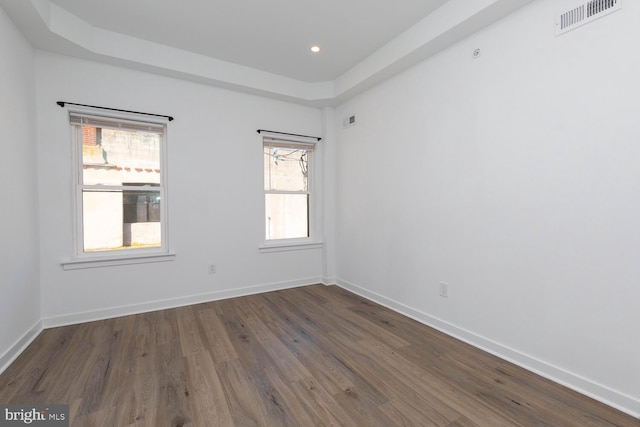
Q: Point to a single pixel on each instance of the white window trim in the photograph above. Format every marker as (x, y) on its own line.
(104, 261)
(81, 259)
(283, 245)
(303, 243)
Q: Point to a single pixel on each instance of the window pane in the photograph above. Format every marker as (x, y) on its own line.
(141, 206)
(113, 156)
(114, 220)
(286, 169)
(287, 216)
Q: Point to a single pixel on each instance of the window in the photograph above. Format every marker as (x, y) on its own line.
(120, 190)
(287, 188)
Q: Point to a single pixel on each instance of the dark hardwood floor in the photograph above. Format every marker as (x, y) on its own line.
(311, 356)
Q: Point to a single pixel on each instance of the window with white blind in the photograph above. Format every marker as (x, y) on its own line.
(288, 194)
(120, 194)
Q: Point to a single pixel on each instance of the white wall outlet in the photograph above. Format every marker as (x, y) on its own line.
(212, 269)
(444, 290)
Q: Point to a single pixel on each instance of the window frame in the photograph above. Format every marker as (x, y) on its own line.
(87, 259)
(286, 244)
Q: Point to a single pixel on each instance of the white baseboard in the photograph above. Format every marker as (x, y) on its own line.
(604, 394)
(328, 280)
(107, 313)
(19, 346)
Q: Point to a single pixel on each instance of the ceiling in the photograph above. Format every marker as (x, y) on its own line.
(258, 46)
(273, 36)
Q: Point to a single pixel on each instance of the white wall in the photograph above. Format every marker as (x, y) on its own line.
(19, 264)
(215, 192)
(513, 178)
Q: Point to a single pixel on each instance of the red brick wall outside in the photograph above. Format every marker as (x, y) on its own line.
(89, 135)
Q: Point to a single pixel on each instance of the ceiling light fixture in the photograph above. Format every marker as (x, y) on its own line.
(315, 49)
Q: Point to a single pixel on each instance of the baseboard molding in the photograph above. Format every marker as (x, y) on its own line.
(19, 346)
(108, 313)
(327, 281)
(599, 392)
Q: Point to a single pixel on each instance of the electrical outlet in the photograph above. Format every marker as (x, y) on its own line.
(212, 269)
(444, 290)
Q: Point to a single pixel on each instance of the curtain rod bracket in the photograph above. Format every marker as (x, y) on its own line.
(63, 103)
(289, 134)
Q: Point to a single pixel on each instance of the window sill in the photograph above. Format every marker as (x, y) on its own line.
(288, 246)
(94, 262)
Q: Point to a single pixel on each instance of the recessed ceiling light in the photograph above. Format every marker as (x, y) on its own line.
(315, 49)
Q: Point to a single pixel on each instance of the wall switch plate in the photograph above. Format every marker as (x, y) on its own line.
(212, 269)
(444, 290)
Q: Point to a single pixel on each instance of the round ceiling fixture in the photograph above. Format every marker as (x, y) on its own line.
(315, 49)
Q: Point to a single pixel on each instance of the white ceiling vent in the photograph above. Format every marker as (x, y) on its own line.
(584, 12)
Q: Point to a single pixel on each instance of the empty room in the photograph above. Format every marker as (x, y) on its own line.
(407, 213)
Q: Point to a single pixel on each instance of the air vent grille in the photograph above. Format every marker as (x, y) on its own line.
(572, 17)
(584, 13)
(596, 7)
(350, 120)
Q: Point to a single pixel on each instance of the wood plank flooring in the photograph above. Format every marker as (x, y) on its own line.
(310, 356)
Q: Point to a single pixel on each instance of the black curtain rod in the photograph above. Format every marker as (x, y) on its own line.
(290, 134)
(63, 103)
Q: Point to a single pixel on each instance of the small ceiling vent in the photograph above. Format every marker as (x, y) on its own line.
(583, 13)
